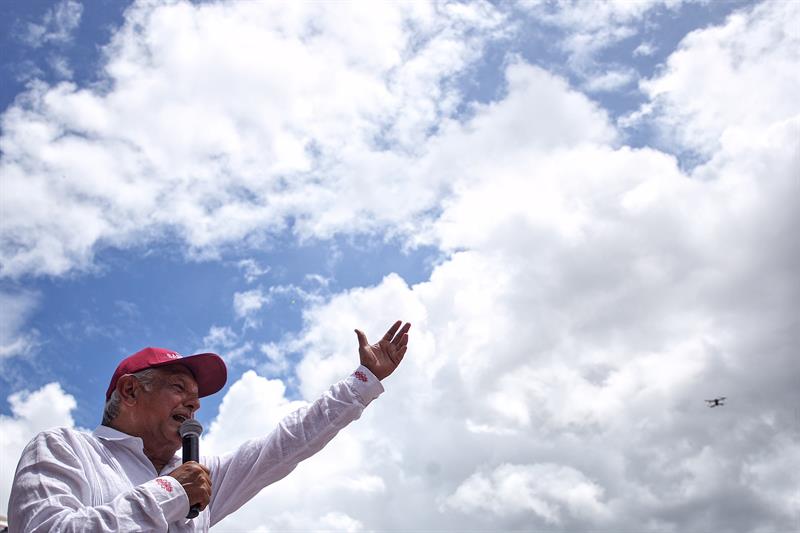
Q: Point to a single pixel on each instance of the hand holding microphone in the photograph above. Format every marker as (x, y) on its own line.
(194, 477)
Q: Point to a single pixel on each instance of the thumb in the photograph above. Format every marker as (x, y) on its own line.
(362, 339)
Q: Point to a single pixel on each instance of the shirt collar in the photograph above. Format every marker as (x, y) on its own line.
(111, 434)
(129, 441)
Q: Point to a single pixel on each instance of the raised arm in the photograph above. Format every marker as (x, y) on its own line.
(239, 476)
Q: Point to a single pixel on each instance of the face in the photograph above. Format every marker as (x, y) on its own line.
(172, 398)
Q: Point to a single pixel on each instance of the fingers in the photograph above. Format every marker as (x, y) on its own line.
(391, 332)
(362, 339)
(196, 481)
(394, 343)
(398, 355)
(401, 339)
(397, 340)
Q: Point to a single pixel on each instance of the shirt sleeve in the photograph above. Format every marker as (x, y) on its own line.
(50, 488)
(238, 476)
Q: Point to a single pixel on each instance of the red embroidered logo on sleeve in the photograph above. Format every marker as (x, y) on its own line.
(166, 485)
(360, 375)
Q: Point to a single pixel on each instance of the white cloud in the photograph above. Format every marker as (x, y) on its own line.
(220, 337)
(246, 304)
(301, 521)
(277, 360)
(31, 412)
(546, 490)
(15, 310)
(191, 135)
(252, 269)
(645, 49)
(574, 14)
(594, 295)
(734, 79)
(610, 80)
(258, 400)
(60, 66)
(225, 341)
(318, 279)
(57, 25)
(589, 27)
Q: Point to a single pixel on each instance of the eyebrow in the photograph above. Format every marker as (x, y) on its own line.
(180, 377)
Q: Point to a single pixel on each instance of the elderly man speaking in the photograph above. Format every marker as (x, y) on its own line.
(126, 476)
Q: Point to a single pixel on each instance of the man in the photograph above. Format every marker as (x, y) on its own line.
(126, 476)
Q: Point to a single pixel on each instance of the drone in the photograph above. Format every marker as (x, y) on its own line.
(716, 402)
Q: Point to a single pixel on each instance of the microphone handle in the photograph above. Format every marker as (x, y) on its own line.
(191, 452)
(191, 448)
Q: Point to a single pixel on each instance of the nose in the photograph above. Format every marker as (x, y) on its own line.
(192, 403)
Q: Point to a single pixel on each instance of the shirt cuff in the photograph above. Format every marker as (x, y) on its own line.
(364, 384)
(170, 496)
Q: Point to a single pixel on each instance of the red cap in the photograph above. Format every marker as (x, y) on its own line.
(208, 368)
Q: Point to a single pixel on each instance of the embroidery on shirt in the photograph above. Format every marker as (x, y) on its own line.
(360, 375)
(166, 485)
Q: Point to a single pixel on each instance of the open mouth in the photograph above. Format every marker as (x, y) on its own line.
(180, 418)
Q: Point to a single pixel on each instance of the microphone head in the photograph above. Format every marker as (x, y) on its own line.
(190, 427)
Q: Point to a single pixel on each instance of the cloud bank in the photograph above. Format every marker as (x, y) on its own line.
(264, 116)
(594, 296)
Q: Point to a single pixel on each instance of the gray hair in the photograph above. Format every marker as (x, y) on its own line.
(146, 377)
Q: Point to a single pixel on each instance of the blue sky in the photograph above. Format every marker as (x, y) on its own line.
(156, 298)
(152, 295)
(581, 207)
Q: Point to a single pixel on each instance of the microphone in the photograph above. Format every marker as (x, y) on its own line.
(190, 435)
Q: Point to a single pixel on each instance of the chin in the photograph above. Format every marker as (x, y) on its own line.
(176, 448)
(174, 439)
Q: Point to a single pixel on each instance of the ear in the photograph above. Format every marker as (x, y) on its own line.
(128, 388)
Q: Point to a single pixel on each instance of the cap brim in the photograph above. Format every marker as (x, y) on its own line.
(209, 371)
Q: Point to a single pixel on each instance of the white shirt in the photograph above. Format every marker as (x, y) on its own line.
(69, 480)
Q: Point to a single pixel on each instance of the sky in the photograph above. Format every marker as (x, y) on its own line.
(587, 211)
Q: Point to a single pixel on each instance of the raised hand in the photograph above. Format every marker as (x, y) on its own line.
(384, 356)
